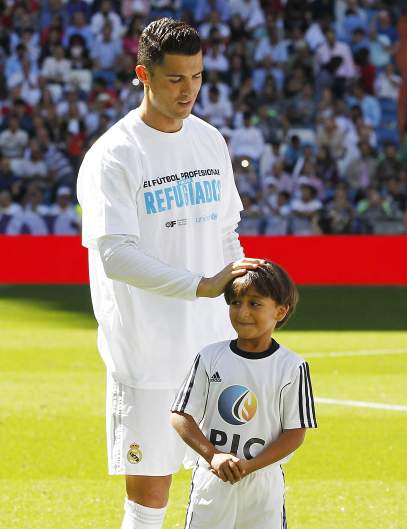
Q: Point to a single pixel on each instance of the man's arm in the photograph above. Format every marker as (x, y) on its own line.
(284, 445)
(224, 465)
(124, 260)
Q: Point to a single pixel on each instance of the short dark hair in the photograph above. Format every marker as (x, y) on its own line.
(167, 35)
(269, 280)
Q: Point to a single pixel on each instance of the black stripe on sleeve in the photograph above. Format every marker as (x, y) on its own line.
(300, 404)
(184, 388)
(307, 399)
(311, 394)
(191, 383)
(174, 407)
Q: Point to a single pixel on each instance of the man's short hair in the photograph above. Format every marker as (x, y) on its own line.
(269, 280)
(166, 35)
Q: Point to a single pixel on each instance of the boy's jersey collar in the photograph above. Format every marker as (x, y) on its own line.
(254, 356)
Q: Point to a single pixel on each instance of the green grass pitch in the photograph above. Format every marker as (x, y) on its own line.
(350, 473)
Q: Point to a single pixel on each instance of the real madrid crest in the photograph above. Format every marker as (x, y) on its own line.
(134, 455)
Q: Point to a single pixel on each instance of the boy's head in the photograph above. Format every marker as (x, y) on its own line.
(261, 300)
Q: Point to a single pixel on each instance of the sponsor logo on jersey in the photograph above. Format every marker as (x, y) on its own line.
(134, 455)
(216, 377)
(220, 438)
(237, 405)
(191, 220)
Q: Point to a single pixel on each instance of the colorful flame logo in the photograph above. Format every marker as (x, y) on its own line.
(237, 405)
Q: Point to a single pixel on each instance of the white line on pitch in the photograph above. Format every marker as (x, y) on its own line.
(362, 404)
(368, 352)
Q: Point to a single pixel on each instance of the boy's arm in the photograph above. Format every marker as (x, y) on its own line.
(224, 465)
(285, 444)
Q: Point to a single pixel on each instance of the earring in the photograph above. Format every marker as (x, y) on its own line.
(135, 81)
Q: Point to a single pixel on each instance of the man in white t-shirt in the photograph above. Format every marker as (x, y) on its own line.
(160, 210)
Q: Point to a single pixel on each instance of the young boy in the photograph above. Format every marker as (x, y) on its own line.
(252, 399)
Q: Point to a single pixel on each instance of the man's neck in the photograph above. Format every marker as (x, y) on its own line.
(156, 120)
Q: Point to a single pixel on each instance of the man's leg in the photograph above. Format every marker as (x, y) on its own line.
(151, 491)
(144, 447)
(146, 502)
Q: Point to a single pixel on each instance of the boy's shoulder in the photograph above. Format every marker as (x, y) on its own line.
(289, 359)
(212, 353)
(214, 350)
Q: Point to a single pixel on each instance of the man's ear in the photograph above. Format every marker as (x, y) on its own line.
(142, 74)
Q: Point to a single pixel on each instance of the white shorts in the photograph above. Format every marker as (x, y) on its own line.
(140, 438)
(255, 502)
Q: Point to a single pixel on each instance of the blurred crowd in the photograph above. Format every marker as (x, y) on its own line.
(305, 93)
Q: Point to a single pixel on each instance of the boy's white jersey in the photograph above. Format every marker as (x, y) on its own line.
(176, 194)
(243, 401)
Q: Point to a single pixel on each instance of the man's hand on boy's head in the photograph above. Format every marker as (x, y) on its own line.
(211, 287)
(225, 466)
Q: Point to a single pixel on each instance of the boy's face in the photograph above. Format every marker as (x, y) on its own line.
(255, 316)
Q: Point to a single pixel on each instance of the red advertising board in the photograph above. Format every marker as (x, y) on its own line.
(331, 260)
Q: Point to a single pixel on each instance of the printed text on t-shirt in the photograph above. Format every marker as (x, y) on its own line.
(185, 193)
(182, 176)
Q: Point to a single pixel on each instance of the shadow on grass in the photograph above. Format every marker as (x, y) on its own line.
(56, 299)
(320, 308)
(351, 308)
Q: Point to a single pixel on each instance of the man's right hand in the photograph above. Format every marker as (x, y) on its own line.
(211, 287)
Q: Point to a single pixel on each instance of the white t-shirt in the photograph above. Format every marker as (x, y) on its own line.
(176, 194)
(243, 401)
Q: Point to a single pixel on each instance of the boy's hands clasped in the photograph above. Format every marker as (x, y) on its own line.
(228, 467)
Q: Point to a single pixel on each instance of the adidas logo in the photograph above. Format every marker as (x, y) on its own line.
(215, 377)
